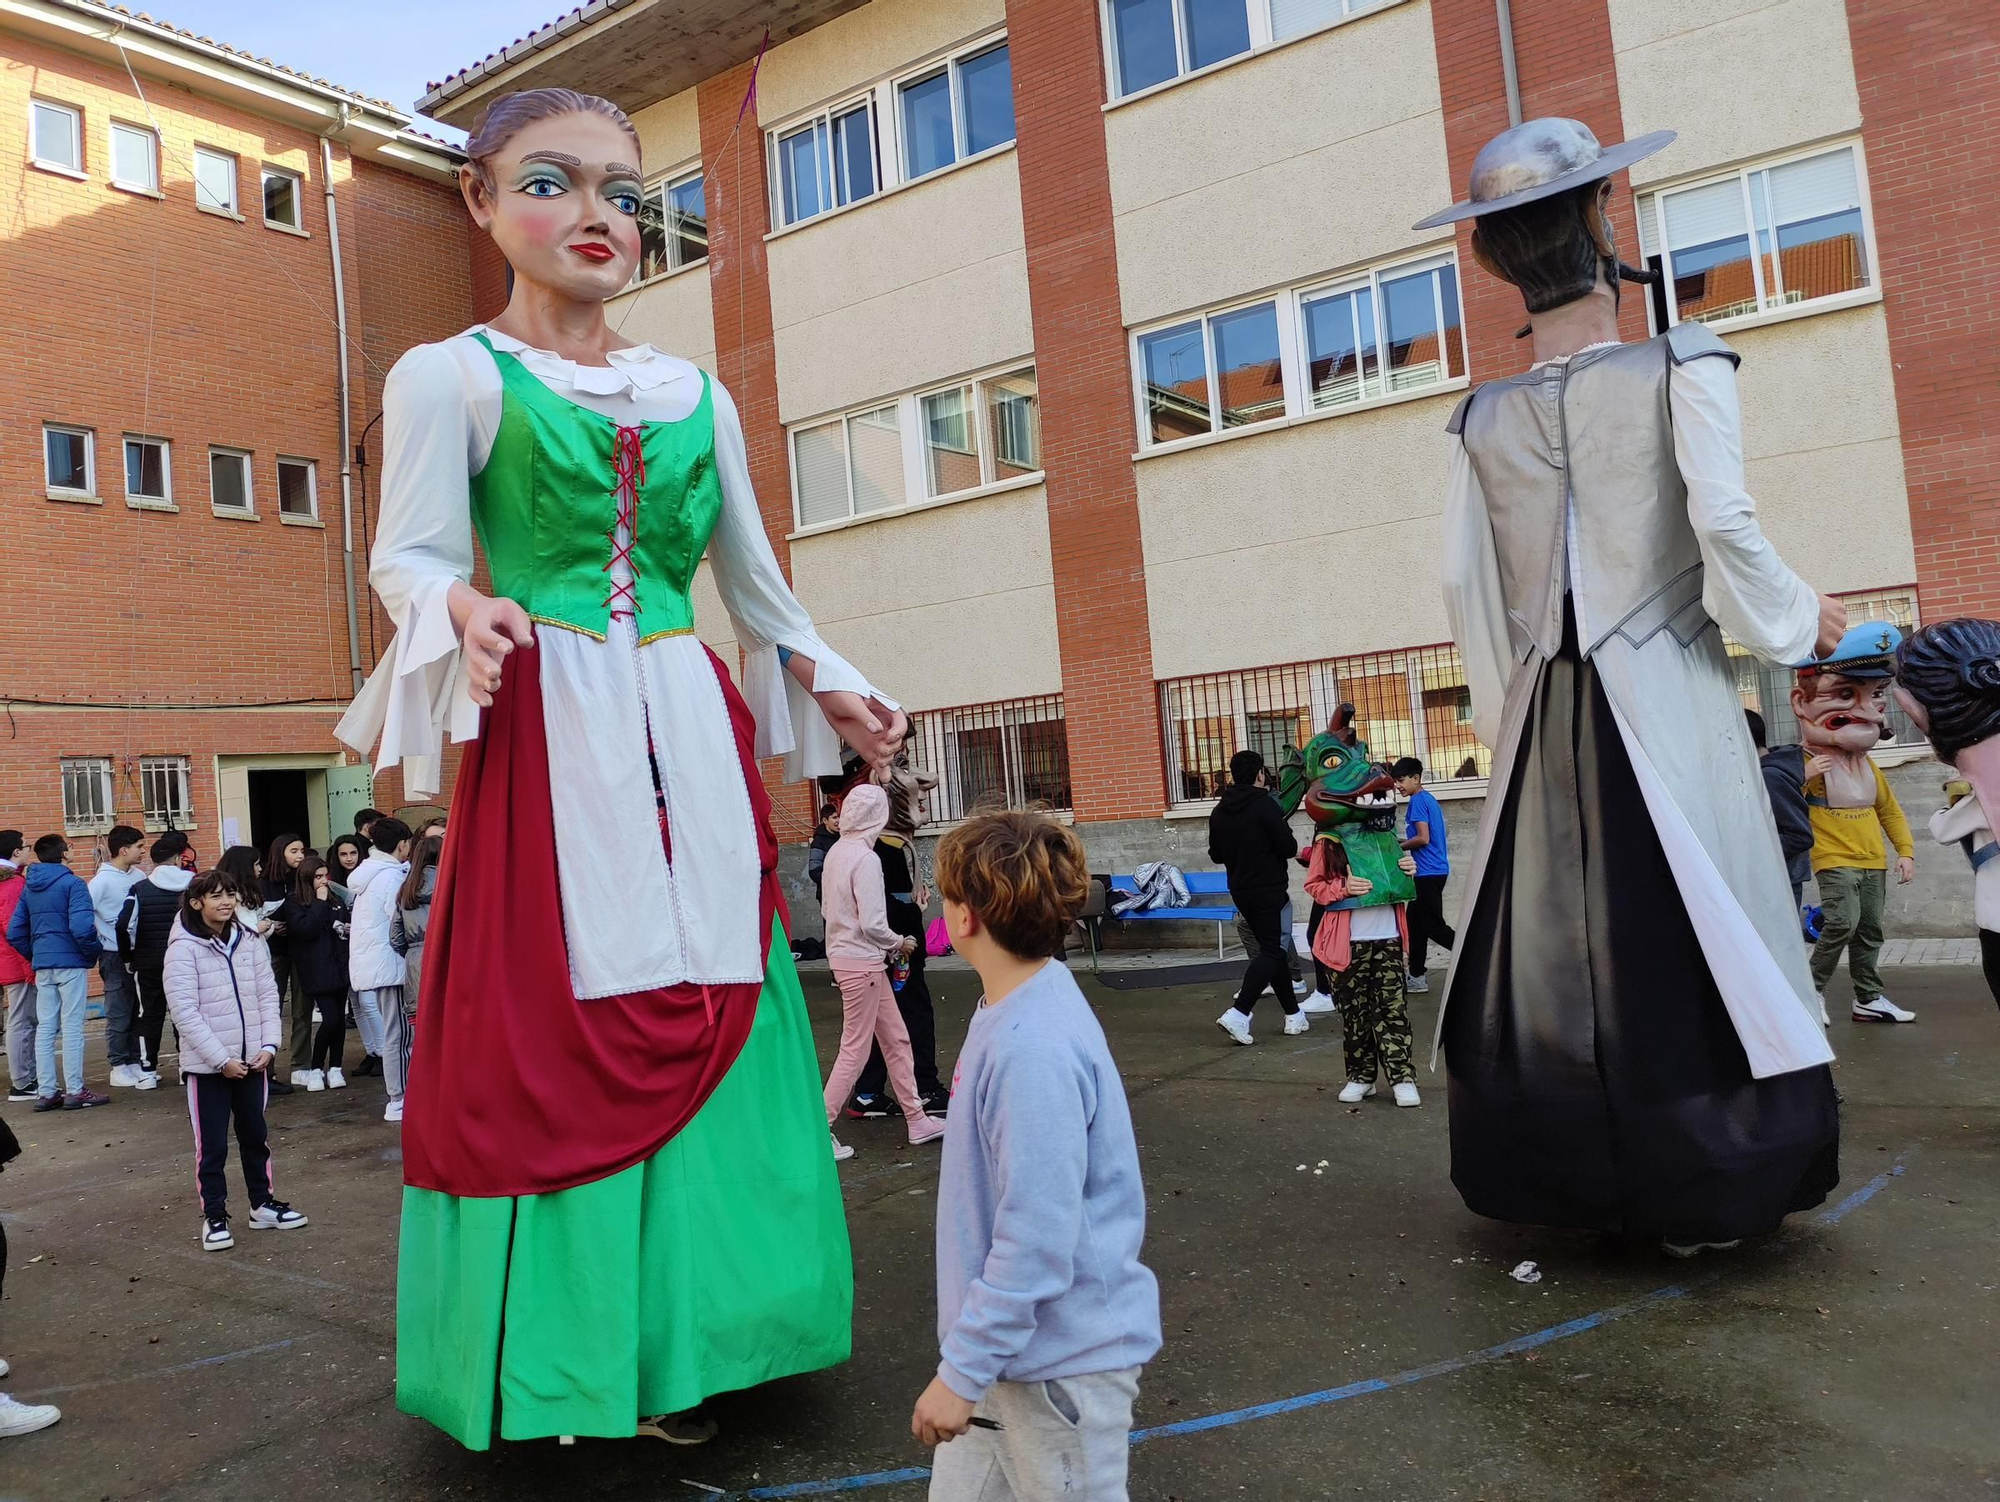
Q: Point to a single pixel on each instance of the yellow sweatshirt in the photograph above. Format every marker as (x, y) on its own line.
(1852, 837)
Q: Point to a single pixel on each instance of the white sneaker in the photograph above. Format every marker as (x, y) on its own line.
(335, 1080)
(925, 1129)
(393, 1111)
(1824, 1019)
(25, 1418)
(1416, 983)
(841, 1151)
(1881, 1009)
(1318, 1004)
(1236, 1025)
(125, 1076)
(275, 1215)
(1406, 1095)
(4, 1368)
(311, 1079)
(1354, 1091)
(215, 1235)
(1297, 1023)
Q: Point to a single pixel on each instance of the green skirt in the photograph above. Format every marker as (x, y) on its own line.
(718, 1263)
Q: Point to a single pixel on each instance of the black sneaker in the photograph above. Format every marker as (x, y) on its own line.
(280, 1087)
(48, 1103)
(937, 1103)
(20, 1097)
(871, 1107)
(371, 1064)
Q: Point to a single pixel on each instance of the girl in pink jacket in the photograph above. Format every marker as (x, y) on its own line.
(860, 943)
(1365, 949)
(224, 1002)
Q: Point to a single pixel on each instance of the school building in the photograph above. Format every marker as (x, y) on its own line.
(1094, 380)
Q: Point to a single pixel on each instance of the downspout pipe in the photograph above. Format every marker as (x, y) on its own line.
(1507, 69)
(346, 452)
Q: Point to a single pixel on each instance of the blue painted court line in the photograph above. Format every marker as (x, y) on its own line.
(1564, 1331)
(162, 1371)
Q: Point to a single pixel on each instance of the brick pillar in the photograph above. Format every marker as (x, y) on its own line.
(489, 276)
(1087, 437)
(1929, 80)
(1562, 51)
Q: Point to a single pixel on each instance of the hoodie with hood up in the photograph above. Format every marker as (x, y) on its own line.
(852, 896)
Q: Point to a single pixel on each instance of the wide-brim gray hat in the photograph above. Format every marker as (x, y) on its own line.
(1539, 159)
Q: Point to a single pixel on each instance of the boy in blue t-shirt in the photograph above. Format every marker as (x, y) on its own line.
(1424, 838)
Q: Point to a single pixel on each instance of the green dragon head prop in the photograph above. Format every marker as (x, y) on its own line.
(1336, 780)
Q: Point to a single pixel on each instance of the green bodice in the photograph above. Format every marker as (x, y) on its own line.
(546, 507)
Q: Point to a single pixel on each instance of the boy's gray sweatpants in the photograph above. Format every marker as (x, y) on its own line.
(1066, 1440)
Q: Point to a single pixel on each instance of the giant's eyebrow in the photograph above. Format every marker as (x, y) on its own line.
(612, 169)
(552, 156)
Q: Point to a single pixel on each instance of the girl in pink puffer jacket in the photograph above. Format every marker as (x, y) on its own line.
(224, 1002)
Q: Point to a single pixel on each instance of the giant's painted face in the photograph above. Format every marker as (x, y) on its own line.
(1337, 782)
(1837, 714)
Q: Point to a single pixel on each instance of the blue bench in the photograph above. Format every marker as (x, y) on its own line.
(1200, 884)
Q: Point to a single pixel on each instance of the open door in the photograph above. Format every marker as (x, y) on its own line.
(348, 791)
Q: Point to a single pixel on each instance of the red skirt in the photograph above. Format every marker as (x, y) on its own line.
(517, 1087)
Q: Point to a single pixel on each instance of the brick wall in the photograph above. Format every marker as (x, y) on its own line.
(1087, 436)
(129, 313)
(1929, 80)
(1562, 52)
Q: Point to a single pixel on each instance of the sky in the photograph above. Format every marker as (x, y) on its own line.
(386, 49)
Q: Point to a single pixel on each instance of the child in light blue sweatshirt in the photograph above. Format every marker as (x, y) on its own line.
(1045, 1312)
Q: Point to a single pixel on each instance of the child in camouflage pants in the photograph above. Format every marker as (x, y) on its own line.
(1366, 949)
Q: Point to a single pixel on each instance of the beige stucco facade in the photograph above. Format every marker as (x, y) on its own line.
(672, 312)
(951, 605)
(669, 134)
(853, 51)
(921, 284)
(1738, 79)
(1302, 187)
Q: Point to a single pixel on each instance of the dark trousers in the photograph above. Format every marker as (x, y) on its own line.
(1269, 968)
(1426, 920)
(919, 1018)
(214, 1102)
(330, 1044)
(151, 1021)
(1323, 978)
(1989, 960)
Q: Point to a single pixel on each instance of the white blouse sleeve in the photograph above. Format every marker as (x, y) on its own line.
(767, 616)
(433, 440)
(1747, 589)
(1474, 602)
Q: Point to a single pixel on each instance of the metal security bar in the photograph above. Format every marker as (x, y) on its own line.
(1009, 754)
(1768, 689)
(1407, 703)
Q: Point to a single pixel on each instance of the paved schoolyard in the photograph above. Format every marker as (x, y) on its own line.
(1350, 1332)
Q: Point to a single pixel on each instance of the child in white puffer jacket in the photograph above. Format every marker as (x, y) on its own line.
(224, 1002)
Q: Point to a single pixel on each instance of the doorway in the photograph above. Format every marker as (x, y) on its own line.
(280, 803)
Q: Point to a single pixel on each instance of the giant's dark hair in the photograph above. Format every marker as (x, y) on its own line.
(1952, 669)
(1553, 248)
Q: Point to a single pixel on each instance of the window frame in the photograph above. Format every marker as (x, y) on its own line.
(913, 433)
(100, 770)
(1294, 354)
(269, 170)
(81, 171)
(149, 502)
(111, 129)
(234, 208)
(1741, 174)
(660, 190)
(950, 67)
(180, 770)
(66, 492)
(820, 122)
(311, 467)
(1263, 38)
(246, 458)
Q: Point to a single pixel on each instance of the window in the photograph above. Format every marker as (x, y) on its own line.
(1010, 754)
(850, 466)
(959, 109)
(214, 180)
(1155, 40)
(229, 480)
(1408, 703)
(283, 206)
(673, 226)
(163, 788)
(298, 488)
(149, 473)
(1379, 333)
(57, 132)
(135, 157)
(87, 800)
(1014, 417)
(1763, 240)
(69, 460)
(827, 162)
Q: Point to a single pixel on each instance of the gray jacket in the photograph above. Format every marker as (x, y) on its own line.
(407, 927)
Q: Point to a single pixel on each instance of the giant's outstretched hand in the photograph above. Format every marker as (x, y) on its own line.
(875, 731)
(488, 629)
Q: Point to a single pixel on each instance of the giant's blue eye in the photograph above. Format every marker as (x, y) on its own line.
(626, 204)
(543, 187)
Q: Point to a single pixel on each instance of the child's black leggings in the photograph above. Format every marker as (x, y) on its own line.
(330, 1042)
(1989, 959)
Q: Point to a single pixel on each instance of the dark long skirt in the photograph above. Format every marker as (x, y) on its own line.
(1596, 1080)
